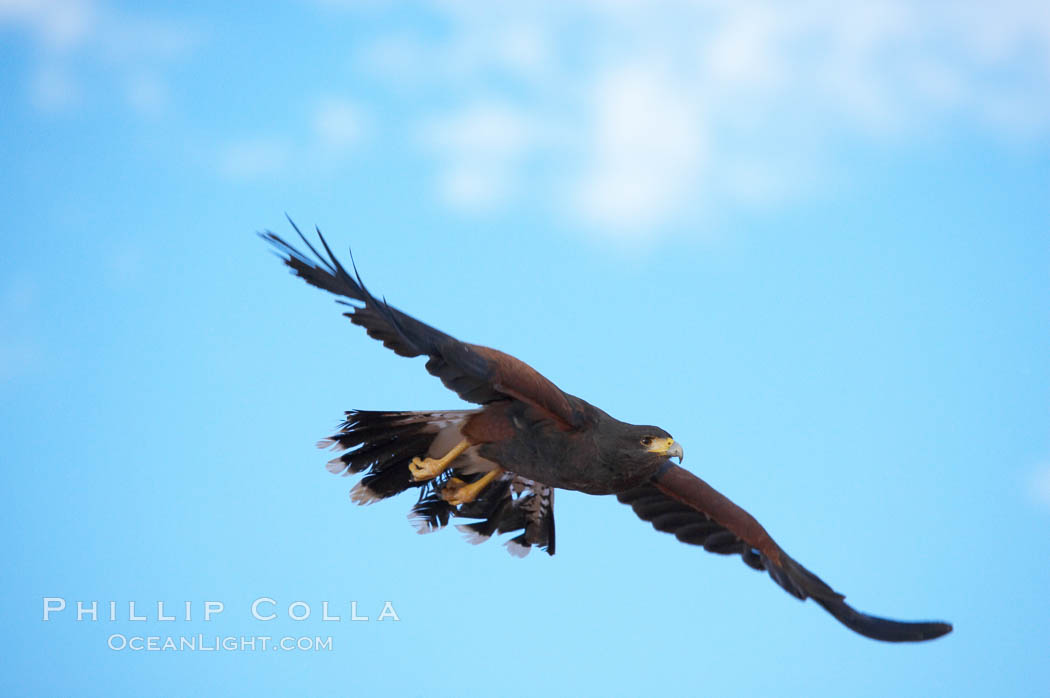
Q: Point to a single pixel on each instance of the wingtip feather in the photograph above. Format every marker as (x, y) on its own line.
(882, 628)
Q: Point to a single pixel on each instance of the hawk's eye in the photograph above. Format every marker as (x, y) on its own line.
(647, 441)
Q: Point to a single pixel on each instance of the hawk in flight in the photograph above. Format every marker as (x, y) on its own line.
(499, 464)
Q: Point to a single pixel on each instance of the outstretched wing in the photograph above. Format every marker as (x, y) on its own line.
(678, 502)
(475, 373)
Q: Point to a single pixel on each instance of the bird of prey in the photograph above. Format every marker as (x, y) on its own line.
(498, 465)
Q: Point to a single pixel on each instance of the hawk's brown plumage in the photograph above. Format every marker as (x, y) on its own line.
(529, 437)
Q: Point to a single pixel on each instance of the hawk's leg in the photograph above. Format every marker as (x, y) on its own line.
(430, 468)
(457, 492)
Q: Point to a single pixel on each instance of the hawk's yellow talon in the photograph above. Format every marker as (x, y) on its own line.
(457, 492)
(430, 468)
(427, 469)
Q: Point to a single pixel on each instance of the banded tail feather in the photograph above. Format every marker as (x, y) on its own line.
(382, 444)
(513, 503)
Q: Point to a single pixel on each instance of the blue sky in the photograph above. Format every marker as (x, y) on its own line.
(811, 243)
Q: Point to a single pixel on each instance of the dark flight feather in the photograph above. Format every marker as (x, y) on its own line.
(475, 373)
(678, 502)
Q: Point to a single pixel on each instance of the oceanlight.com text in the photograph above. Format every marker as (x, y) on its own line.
(119, 642)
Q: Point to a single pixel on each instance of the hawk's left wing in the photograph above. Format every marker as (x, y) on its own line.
(678, 502)
(477, 374)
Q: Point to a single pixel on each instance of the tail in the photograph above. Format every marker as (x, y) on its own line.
(512, 503)
(382, 444)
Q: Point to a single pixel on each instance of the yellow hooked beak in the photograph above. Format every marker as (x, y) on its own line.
(667, 447)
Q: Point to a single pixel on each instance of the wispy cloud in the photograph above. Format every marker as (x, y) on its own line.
(338, 123)
(671, 102)
(55, 24)
(332, 131)
(251, 158)
(19, 348)
(147, 94)
(1039, 484)
(81, 42)
(646, 149)
(479, 148)
(52, 89)
(624, 115)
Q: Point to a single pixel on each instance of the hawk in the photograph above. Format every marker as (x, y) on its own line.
(498, 465)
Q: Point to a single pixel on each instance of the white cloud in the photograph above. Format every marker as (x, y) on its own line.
(749, 91)
(254, 157)
(57, 24)
(1039, 484)
(147, 94)
(121, 51)
(479, 148)
(646, 152)
(335, 128)
(626, 114)
(762, 181)
(472, 187)
(482, 130)
(745, 53)
(524, 49)
(19, 349)
(52, 89)
(128, 39)
(337, 124)
(399, 59)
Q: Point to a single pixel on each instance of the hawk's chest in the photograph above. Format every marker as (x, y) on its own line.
(569, 460)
